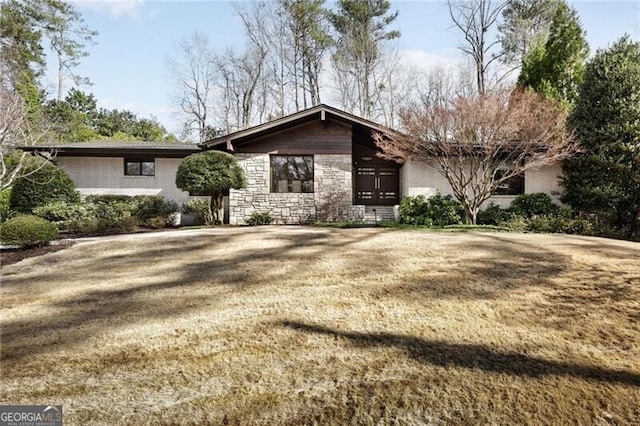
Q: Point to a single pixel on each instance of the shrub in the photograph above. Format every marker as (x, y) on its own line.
(110, 215)
(62, 213)
(516, 223)
(149, 207)
(108, 198)
(84, 226)
(5, 194)
(46, 184)
(28, 231)
(580, 227)
(537, 204)
(156, 222)
(200, 210)
(413, 210)
(493, 215)
(258, 218)
(437, 210)
(560, 225)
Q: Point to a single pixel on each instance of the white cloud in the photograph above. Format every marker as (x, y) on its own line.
(426, 61)
(115, 8)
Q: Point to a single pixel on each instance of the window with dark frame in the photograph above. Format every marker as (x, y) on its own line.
(139, 167)
(512, 186)
(292, 173)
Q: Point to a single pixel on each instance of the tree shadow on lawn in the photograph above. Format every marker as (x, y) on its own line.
(488, 267)
(91, 313)
(473, 356)
(571, 293)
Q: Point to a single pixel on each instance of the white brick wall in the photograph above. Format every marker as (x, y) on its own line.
(105, 175)
(420, 179)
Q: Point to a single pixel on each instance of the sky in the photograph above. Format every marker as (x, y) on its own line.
(128, 63)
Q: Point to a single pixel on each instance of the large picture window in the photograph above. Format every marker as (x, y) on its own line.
(512, 186)
(291, 173)
(137, 167)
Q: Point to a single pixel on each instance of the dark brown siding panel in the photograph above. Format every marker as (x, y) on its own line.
(329, 137)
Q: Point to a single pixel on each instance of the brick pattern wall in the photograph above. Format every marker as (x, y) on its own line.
(105, 175)
(421, 179)
(331, 199)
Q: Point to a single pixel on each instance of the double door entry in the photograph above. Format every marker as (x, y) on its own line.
(377, 183)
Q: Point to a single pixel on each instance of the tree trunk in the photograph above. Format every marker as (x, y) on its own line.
(60, 77)
(217, 208)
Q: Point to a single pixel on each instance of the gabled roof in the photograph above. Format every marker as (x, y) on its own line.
(320, 112)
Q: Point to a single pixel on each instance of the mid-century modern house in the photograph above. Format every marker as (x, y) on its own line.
(316, 164)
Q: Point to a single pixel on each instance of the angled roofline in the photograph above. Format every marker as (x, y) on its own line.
(321, 112)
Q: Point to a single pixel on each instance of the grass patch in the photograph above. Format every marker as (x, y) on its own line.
(306, 325)
(448, 228)
(343, 224)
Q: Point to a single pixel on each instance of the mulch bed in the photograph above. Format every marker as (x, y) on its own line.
(7, 257)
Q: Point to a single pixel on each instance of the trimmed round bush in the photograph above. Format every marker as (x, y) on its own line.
(28, 231)
(45, 183)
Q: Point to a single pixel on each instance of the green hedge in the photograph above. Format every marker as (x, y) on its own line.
(110, 212)
(437, 210)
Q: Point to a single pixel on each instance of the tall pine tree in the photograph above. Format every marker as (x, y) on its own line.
(605, 177)
(361, 27)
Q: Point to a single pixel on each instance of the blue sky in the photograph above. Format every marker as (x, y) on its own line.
(128, 64)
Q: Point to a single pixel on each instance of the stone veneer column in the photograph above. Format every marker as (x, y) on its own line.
(331, 200)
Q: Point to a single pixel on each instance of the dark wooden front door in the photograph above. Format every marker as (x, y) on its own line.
(377, 183)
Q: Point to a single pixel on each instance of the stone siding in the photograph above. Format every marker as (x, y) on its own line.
(331, 199)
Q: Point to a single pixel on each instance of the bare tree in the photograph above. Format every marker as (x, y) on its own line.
(293, 36)
(15, 130)
(398, 83)
(194, 77)
(478, 143)
(239, 79)
(475, 19)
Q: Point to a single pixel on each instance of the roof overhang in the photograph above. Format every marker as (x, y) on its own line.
(85, 150)
(321, 113)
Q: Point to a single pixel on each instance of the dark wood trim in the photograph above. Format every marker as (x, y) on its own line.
(114, 152)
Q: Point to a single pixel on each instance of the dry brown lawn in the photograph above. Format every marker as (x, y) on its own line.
(294, 325)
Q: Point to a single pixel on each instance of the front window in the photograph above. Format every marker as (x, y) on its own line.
(291, 173)
(512, 186)
(136, 167)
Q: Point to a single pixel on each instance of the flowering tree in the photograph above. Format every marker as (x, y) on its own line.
(479, 142)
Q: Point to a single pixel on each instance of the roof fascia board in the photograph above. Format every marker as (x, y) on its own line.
(263, 127)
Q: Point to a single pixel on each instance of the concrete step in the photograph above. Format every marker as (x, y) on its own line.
(381, 214)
